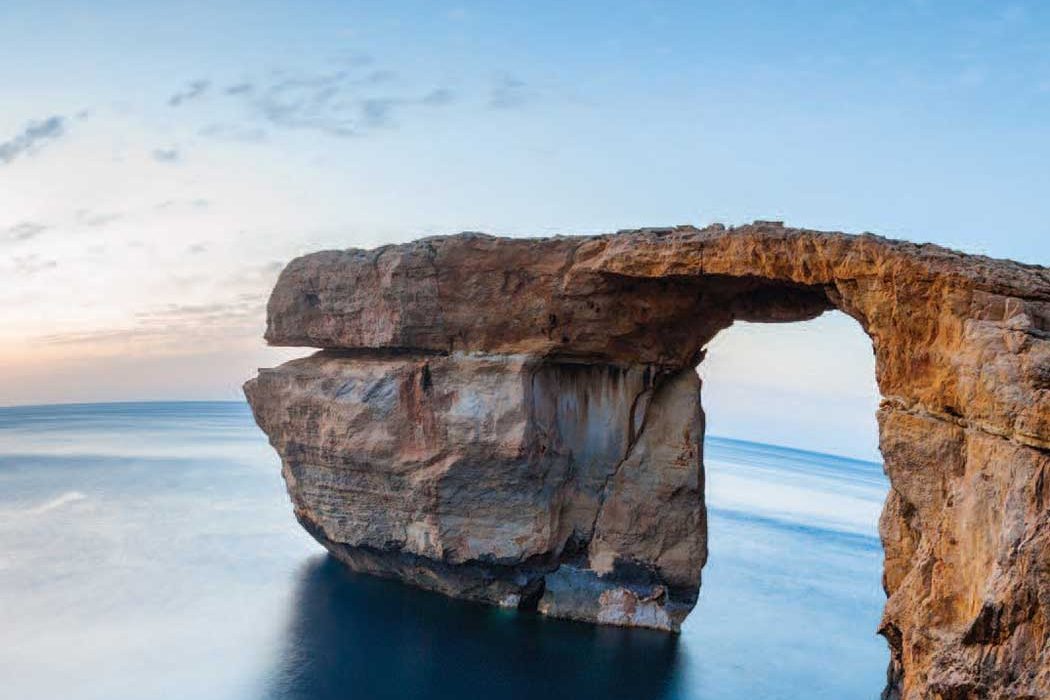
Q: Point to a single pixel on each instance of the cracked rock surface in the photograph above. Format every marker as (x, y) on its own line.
(482, 475)
(518, 422)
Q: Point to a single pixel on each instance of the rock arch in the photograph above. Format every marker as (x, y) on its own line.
(516, 421)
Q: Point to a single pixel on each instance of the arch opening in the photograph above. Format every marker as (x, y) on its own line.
(793, 490)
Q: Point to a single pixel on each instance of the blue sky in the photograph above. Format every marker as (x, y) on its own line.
(160, 161)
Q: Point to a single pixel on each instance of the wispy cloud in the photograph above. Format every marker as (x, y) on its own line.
(33, 264)
(508, 92)
(351, 101)
(32, 137)
(176, 325)
(438, 97)
(23, 231)
(97, 219)
(173, 327)
(166, 155)
(238, 89)
(195, 89)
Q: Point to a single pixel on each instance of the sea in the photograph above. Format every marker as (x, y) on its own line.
(149, 551)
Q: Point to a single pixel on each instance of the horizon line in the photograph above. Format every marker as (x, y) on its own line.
(244, 402)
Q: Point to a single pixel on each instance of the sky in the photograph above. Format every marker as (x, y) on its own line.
(160, 162)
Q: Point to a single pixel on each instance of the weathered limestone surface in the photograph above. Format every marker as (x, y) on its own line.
(480, 475)
(518, 422)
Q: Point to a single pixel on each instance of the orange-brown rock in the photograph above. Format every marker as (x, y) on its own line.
(517, 421)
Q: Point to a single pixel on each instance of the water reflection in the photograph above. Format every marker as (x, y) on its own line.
(352, 636)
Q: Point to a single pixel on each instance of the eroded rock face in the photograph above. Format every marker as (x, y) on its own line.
(518, 422)
(482, 476)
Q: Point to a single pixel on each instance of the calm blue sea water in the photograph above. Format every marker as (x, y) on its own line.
(149, 551)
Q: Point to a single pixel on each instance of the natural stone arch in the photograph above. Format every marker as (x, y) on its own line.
(515, 421)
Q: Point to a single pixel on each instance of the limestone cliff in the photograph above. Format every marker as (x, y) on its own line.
(518, 422)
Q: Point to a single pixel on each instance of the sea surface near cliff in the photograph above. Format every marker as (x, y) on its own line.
(149, 551)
